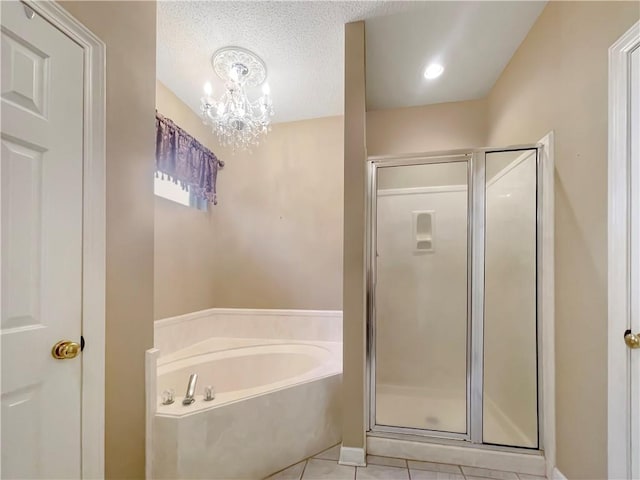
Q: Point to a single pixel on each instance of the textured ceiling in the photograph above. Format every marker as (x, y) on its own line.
(302, 43)
(474, 41)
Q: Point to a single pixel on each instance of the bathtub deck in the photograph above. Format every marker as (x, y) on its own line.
(324, 466)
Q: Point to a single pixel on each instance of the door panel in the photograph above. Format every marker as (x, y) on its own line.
(421, 297)
(41, 219)
(25, 82)
(510, 393)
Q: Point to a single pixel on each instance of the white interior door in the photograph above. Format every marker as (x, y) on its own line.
(634, 354)
(41, 254)
(624, 257)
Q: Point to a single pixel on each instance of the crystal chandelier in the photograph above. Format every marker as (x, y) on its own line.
(238, 121)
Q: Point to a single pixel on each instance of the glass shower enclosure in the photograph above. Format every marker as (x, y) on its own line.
(452, 287)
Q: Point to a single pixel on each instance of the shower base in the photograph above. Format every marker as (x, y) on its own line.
(441, 411)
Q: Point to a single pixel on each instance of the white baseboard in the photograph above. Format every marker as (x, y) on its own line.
(557, 475)
(151, 396)
(354, 457)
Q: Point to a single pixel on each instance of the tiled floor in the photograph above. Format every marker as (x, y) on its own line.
(324, 466)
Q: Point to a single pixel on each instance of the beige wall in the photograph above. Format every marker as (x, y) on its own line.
(275, 238)
(353, 293)
(558, 80)
(184, 278)
(442, 126)
(129, 31)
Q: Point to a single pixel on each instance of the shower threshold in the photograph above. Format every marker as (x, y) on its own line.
(442, 450)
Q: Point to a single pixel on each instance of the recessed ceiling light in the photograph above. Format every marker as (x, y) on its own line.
(433, 71)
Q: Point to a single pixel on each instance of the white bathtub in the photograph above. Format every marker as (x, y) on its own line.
(277, 401)
(242, 368)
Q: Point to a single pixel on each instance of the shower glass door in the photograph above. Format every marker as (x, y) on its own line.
(421, 296)
(510, 347)
(453, 293)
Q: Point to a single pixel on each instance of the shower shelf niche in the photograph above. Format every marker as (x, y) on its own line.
(423, 238)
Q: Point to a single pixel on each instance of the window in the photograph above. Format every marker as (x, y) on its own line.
(165, 188)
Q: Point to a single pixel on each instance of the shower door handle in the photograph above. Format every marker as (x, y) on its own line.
(632, 339)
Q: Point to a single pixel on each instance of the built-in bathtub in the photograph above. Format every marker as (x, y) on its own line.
(277, 400)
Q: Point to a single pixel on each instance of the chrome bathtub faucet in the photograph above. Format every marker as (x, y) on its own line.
(168, 397)
(209, 394)
(191, 390)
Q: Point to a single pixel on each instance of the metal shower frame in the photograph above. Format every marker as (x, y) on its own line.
(476, 161)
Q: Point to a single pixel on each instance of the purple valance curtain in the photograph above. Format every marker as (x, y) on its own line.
(185, 160)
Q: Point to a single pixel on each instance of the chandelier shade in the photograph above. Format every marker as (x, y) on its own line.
(238, 121)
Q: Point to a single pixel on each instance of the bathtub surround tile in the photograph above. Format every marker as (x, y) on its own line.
(386, 461)
(294, 472)
(175, 333)
(164, 450)
(327, 470)
(262, 433)
(192, 452)
(332, 453)
(323, 325)
(434, 467)
(380, 472)
(488, 473)
(256, 436)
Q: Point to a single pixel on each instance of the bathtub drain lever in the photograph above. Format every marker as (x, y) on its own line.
(191, 390)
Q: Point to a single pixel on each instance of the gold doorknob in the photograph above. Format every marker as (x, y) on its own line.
(632, 339)
(65, 349)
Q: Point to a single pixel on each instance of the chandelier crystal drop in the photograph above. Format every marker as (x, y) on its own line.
(238, 121)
